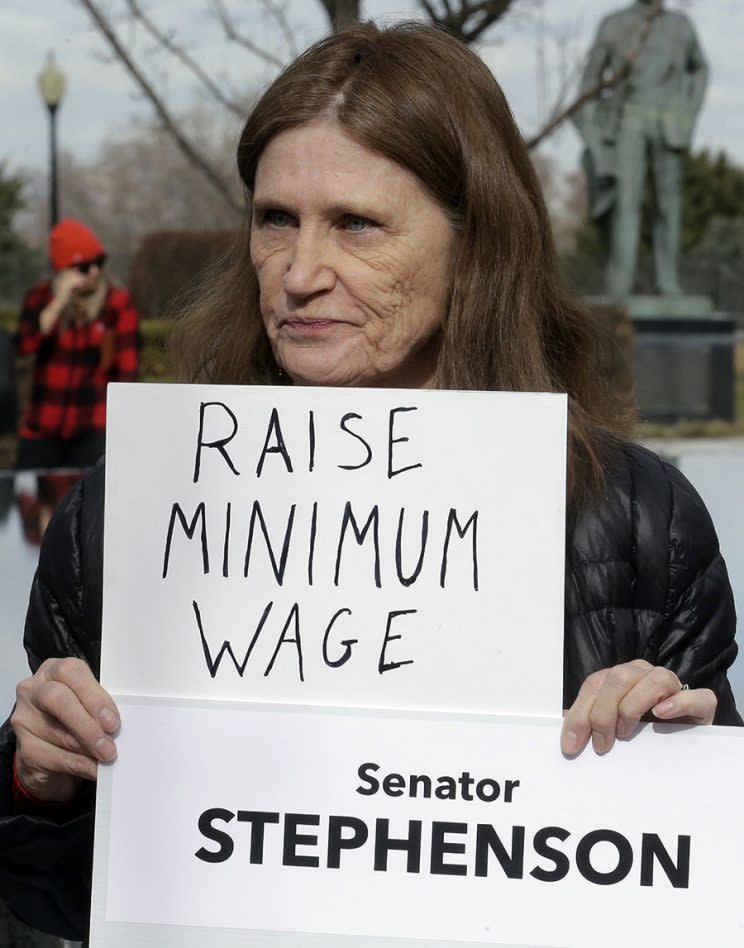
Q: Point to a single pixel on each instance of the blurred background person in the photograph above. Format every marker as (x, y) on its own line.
(83, 332)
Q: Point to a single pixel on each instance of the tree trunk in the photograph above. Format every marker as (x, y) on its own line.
(346, 12)
(342, 13)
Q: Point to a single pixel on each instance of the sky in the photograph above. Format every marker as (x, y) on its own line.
(102, 101)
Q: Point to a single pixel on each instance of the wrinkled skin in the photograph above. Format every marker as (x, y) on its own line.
(353, 259)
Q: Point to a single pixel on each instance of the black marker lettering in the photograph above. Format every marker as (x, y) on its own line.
(189, 529)
(226, 547)
(293, 617)
(409, 580)
(278, 448)
(384, 666)
(311, 553)
(213, 664)
(311, 440)
(346, 655)
(218, 443)
(344, 427)
(461, 531)
(374, 521)
(257, 514)
(392, 441)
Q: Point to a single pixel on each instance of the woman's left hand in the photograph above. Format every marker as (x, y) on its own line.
(611, 703)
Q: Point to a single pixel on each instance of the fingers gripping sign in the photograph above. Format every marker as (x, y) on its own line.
(611, 703)
(63, 721)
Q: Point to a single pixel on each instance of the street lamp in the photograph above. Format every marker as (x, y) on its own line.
(52, 85)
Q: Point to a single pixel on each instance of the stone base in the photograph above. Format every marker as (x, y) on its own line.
(669, 307)
(684, 368)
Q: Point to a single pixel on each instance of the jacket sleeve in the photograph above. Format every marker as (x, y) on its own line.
(28, 336)
(45, 861)
(696, 638)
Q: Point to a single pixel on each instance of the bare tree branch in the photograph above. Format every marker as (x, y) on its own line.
(560, 115)
(169, 123)
(428, 9)
(469, 20)
(330, 8)
(279, 11)
(235, 37)
(180, 53)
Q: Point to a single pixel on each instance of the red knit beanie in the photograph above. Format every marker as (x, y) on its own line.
(71, 242)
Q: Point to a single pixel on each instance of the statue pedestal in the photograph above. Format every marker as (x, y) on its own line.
(684, 359)
(669, 307)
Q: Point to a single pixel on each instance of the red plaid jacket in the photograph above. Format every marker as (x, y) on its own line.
(74, 364)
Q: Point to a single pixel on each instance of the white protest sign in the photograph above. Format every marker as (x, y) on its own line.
(233, 824)
(335, 546)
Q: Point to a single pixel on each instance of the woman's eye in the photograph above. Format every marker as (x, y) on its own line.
(355, 222)
(277, 218)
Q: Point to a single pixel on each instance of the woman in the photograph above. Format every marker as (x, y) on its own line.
(395, 235)
(83, 333)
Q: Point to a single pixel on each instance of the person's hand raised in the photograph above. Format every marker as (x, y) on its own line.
(63, 721)
(66, 284)
(612, 702)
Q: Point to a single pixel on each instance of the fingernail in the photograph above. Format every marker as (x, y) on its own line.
(599, 743)
(666, 707)
(108, 719)
(570, 742)
(105, 749)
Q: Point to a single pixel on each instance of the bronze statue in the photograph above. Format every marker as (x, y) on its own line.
(646, 119)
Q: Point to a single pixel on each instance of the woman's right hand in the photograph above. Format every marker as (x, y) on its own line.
(65, 286)
(63, 721)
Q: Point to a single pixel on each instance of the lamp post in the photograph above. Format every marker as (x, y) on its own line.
(52, 86)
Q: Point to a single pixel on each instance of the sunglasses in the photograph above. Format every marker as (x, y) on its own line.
(85, 265)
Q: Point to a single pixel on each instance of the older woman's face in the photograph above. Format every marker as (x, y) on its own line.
(353, 260)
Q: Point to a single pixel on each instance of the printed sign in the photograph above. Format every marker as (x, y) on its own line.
(254, 825)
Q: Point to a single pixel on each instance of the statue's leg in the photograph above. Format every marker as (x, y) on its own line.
(667, 171)
(626, 217)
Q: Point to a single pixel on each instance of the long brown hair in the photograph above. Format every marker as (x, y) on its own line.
(423, 99)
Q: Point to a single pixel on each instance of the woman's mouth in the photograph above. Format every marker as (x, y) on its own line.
(308, 324)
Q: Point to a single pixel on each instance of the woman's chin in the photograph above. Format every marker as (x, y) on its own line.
(314, 368)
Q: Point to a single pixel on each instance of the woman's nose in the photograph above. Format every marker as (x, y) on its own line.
(309, 267)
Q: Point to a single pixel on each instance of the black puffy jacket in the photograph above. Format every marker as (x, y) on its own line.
(644, 579)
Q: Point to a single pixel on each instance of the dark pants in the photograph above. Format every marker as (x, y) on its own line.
(36, 454)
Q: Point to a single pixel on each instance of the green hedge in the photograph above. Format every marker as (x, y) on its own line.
(8, 318)
(155, 365)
